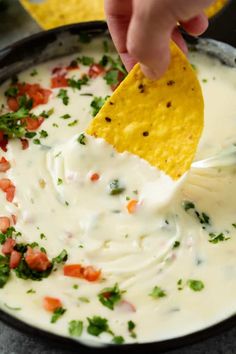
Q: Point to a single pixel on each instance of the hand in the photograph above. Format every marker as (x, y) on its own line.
(142, 29)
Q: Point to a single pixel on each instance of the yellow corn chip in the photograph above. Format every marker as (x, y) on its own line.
(54, 13)
(215, 7)
(160, 121)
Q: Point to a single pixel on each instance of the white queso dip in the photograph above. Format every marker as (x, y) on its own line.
(101, 246)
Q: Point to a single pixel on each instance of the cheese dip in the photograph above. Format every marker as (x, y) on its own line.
(101, 246)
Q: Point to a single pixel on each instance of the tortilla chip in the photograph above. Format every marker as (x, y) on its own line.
(215, 7)
(160, 121)
(54, 13)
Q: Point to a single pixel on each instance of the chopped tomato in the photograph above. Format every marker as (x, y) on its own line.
(37, 260)
(14, 219)
(24, 143)
(56, 70)
(59, 81)
(94, 177)
(95, 70)
(51, 303)
(8, 246)
(13, 104)
(4, 165)
(3, 141)
(15, 259)
(91, 274)
(10, 193)
(131, 206)
(121, 77)
(73, 270)
(72, 66)
(33, 123)
(5, 183)
(38, 94)
(4, 223)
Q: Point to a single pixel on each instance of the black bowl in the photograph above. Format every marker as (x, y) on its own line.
(62, 41)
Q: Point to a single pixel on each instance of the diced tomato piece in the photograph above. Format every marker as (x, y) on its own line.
(38, 94)
(91, 274)
(59, 81)
(10, 193)
(51, 303)
(4, 223)
(56, 70)
(8, 246)
(13, 104)
(94, 177)
(131, 206)
(15, 259)
(37, 260)
(3, 142)
(14, 219)
(73, 270)
(5, 183)
(24, 143)
(121, 77)
(4, 165)
(72, 66)
(33, 123)
(95, 70)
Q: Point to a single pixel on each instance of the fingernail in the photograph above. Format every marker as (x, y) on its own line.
(150, 73)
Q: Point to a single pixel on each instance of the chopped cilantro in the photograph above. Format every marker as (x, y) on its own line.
(234, 225)
(23, 271)
(157, 292)
(57, 314)
(195, 285)
(59, 181)
(214, 238)
(86, 61)
(43, 134)
(204, 81)
(84, 299)
(30, 135)
(180, 284)
(30, 291)
(115, 188)
(202, 217)
(109, 297)
(66, 116)
(36, 141)
(98, 325)
(12, 124)
(118, 340)
(75, 328)
(55, 125)
(63, 96)
(72, 124)
(34, 72)
(75, 286)
(42, 236)
(188, 205)
(97, 104)
(12, 91)
(77, 84)
(47, 114)
(61, 258)
(4, 270)
(82, 139)
(176, 244)
(105, 46)
(131, 327)
(112, 77)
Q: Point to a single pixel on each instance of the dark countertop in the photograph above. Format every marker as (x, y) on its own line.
(16, 24)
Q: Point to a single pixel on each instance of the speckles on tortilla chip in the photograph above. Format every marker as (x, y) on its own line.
(215, 7)
(160, 121)
(54, 13)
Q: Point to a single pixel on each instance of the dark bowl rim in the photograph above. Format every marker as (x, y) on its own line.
(70, 343)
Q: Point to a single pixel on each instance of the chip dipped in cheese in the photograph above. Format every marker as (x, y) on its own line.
(160, 121)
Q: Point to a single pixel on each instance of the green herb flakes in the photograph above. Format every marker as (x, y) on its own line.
(43, 134)
(195, 285)
(57, 314)
(86, 61)
(75, 328)
(61, 258)
(72, 124)
(30, 291)
(36, 141)
(118, 340)
(12, 91)
(214, 238)
(77, 84)
(97, 104)
(98, 325)
(63, 96)
(59, 181)
(34, 72)
(12, 308)
(84, 299)
(82, 139)
(4, 270)
(66, 116)
(157, 292)
(131, 327)
(115, 187)
(109, 297)
(112, 77)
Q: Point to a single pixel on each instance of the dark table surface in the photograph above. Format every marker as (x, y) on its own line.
(14, 25)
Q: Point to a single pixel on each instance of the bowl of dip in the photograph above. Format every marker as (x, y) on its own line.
(105, 278)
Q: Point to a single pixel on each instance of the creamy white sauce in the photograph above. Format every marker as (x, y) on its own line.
(134, 250)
